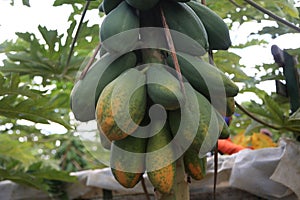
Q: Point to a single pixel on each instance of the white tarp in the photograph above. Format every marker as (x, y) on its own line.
(271, 173)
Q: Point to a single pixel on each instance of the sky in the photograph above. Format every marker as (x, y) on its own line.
(19, 18)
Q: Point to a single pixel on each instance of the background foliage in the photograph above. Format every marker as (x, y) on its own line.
(35, 86)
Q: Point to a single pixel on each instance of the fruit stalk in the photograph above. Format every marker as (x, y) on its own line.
(172, 49)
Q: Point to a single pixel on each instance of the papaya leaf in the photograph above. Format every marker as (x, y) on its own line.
(93, 5)
(14, 149)
(51, 37)
(23, 178)
(227, 62)
(295, 115)
(288, 7)
(26, 3)
(53, 174)
(32, 110)
(274, 109)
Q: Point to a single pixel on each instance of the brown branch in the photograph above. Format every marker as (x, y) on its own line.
(272, 15)
(255, 118)
(89, 64)
(235, 3)
(172, 49)
(263, 122)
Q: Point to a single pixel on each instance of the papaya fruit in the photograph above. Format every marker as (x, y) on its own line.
(223, 127)
(194, 166)
(225, 106)
(102, 52)
(121, 105)
(127, 159)
(160, 159)
(142, 5)
(193, 133)
(163, 88)
(181, 18)
(105, 142)
(230, 106)
(120, 29)
(201, 74)
(109, 5)
(87, 90)
(120, 65)
(216, 28)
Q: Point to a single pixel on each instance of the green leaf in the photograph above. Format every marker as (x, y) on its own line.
(62, 2)
(31, 110)
(53, 174)
(288, 7)
(295, 115)
(23, 178)
(274, 109)
(228, 62)
(51, 37)
(14, 149)
(26, 3)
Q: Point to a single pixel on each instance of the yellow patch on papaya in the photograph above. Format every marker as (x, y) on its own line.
(163, 179)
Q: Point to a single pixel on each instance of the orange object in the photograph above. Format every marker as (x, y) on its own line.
(226, 146)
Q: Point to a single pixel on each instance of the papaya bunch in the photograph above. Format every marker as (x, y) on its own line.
(149, 113)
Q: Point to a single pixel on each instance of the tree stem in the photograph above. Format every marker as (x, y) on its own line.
(274, 16)
(254, 117)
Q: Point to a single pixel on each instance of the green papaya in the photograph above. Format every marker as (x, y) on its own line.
(181, 18)
(109, 5)
(86, 91)
(123, 63)
(204, 77)
(230, 106)
(225, 106)
(163, 88)
(120, 29)
(195, 123)
(216, 28)
(142, 5)
(121, 105)
(160, 159)
(223, 127)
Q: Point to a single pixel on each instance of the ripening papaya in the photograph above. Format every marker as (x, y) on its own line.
(160, 159)
(127, 159)
(195, 123)
(193, 165)
(122, 104)
(102, 72)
